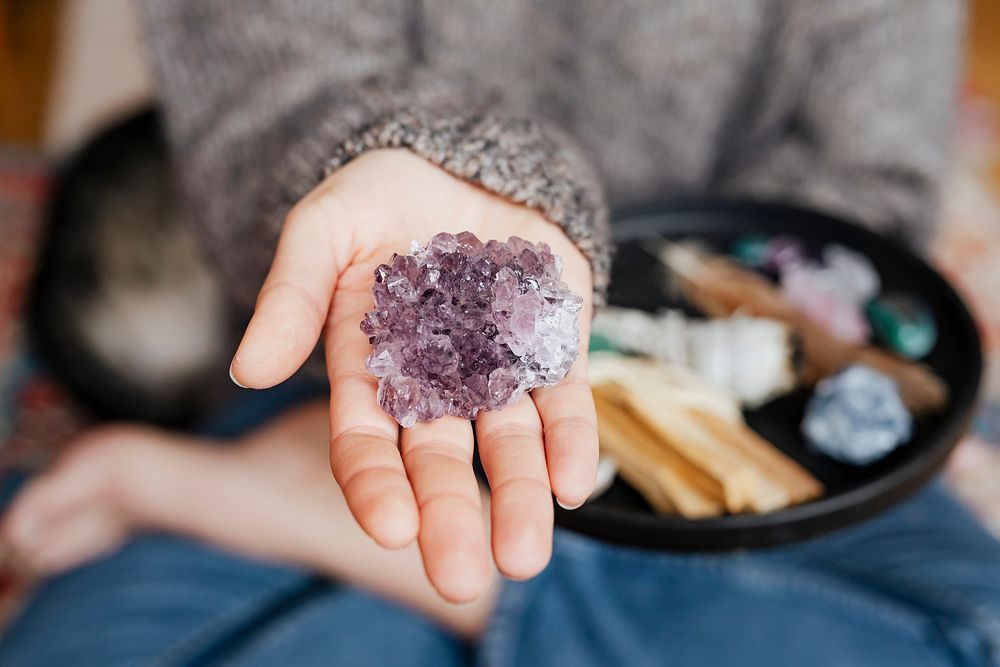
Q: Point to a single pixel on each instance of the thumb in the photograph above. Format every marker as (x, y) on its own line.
(293, 303)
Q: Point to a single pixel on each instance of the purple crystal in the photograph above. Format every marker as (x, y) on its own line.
(461, 326)
(782, 253)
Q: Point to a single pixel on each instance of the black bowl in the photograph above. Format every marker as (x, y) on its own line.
(852, 494)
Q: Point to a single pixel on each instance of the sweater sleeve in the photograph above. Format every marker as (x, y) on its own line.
(869, 135)
(263, 99)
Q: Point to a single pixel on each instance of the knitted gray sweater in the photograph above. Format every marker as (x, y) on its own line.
(837, 104)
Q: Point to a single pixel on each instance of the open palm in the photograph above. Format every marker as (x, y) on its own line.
(418, 483)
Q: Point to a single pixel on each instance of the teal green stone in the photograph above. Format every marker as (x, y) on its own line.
(751, 250)
(904, 323)
(599, 343)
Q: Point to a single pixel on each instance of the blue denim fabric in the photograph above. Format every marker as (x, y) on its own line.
(168, 601)
(918, 586)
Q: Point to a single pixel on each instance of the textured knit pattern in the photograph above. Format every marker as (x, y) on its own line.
(843, 105)
(512, 158)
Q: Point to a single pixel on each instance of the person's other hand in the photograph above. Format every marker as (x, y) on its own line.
(418, 482)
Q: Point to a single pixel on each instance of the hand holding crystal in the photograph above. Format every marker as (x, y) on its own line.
(418, 482)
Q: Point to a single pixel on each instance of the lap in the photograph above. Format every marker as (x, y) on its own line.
(919, 585)
(169, 601)
(346, 626)
(930, 555)
(142, 603)
(916, 586)
(929, 551)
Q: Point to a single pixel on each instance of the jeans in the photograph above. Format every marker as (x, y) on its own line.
(919, 585)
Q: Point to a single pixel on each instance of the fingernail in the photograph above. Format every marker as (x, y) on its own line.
(568, 507)
(233, 377)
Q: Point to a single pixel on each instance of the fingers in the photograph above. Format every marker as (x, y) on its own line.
(511, 450)
(438, 459)
(88, 534)
(363, 447)
(24, 522)
(61, 519)
(293, 302)
(569, 421)
(44, 502)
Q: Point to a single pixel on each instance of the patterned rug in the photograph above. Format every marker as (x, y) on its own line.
(36, 416)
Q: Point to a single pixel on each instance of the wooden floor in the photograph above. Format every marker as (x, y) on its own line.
(984, 47)
(983, 61)
(28, 34)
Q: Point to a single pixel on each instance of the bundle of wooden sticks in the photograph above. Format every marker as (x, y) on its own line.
(684, 446)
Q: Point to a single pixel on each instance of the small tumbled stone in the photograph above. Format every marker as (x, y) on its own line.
(813, 291)
(752, 250)
(856, 416)
(601, 343)
(461, 326)
(905, 323)
(782, 253)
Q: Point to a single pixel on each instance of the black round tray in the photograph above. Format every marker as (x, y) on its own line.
(852, 494)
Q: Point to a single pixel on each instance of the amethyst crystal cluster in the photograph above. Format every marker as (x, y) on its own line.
(461, 326)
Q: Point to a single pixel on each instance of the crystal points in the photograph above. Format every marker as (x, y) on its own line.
(461, 326)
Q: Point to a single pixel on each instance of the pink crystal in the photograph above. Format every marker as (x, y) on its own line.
(783, 253)
(461, 326)
(810, 289)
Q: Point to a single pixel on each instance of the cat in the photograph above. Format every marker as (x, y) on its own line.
(125, 309)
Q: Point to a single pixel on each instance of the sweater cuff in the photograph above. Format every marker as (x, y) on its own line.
(519, 160)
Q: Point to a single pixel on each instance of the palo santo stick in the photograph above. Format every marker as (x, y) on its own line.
(636, 473)
(681, 387)
(743, 487)
(767, 494)
(739, 485)
(799, 483)
(663, 479)
(661, 451)
(695, 428)
(640, 456)
(691, 474)
(720, 287)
